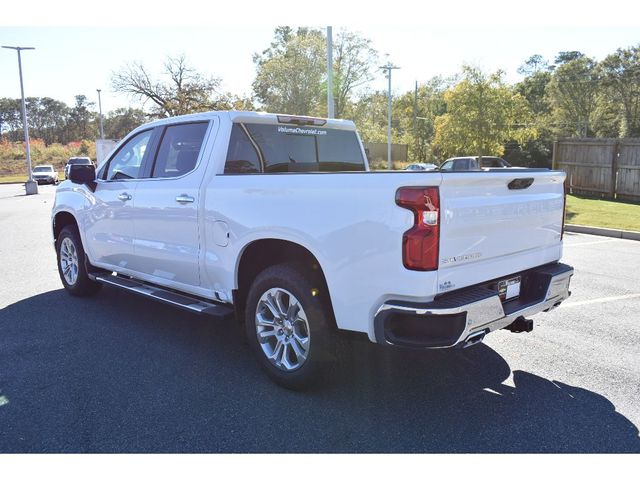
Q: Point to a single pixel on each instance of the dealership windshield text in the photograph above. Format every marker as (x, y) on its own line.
(302, 131)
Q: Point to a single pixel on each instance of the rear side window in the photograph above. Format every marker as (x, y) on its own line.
(493, 162)
(179, 150)
(260, 148)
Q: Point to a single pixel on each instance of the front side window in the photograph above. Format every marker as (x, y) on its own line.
(447, 166)
(126, 164)
(179, 150)
(262, 148)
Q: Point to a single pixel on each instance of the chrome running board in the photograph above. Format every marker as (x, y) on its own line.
(181, 300)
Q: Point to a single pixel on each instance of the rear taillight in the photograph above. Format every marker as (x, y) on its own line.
(421, 242)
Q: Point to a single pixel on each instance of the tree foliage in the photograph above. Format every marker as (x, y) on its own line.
(482, 115)
(573, 92)
(122, 120)
(354, 63)
(290, 72)
(621, 80)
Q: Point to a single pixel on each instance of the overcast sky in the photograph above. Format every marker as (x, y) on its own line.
(78, 60)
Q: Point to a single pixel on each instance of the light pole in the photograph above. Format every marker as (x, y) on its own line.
(330, 106)
(100, 108)
(30, 187)
(388, 67)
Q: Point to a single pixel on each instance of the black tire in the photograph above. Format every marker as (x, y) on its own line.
(313, 300)
(83, 285)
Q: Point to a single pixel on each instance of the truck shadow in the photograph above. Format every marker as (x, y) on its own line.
(118, 373)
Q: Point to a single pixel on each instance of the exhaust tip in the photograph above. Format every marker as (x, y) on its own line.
(474, 339)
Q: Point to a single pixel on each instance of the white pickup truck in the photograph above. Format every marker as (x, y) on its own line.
(277, 220)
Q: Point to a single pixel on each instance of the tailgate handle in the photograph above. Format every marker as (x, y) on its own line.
(520, 183)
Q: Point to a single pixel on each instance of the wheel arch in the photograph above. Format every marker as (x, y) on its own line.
(61, 220)
(260, 254)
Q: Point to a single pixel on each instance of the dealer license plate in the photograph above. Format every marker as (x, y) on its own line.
(508, 289)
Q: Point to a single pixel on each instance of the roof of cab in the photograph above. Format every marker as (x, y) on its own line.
(251, 117)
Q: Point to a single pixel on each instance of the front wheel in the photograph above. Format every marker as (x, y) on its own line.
(287, 325)
(71, 263)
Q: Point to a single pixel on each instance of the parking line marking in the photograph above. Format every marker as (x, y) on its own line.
(595, 242)
(600, 300)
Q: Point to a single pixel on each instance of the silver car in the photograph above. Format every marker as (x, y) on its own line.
(45, 174)
(465, 164)
(421, 166)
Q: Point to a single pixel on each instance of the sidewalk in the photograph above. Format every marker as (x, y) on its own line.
(606, 232)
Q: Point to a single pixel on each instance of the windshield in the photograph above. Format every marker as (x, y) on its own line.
(79, 161)
(43, 169)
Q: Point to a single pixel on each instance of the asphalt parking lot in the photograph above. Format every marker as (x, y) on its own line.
(118, 373)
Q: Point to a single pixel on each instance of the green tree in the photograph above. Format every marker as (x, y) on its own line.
(121, 121)
(568, 56)
(10, 119)
(535, 152)
(182, 89)
(621, 81)
(573, 94)
(354, 64)
(48, 119)
(81, 120)
(483, 113)
(290, 72)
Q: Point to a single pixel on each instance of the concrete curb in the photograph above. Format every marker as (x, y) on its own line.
(605, 232)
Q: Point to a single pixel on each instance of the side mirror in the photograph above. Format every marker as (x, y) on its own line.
(83, 175)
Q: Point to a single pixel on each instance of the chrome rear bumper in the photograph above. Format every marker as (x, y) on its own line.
(457, 317)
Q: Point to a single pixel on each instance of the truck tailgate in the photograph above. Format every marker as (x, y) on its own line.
(496, 229)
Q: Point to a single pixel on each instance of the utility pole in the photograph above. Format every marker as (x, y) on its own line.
(388, 67)
(30, 187)
(330, 105)
(415, 120)
(100, 108)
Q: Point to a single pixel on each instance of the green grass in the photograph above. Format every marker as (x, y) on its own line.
(21, 178)
(603, 213)
(13, 178)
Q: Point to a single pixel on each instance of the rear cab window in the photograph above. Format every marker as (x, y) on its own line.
(272, 148)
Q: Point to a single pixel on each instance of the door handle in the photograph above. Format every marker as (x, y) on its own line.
(184, 199)
(124, 196)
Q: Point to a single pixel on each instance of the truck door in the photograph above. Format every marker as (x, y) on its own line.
(109, 226)
(166, 206)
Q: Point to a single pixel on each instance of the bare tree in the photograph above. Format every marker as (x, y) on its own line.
(182, 91)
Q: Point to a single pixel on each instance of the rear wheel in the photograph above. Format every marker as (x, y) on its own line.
(287, 325)
(71, 263)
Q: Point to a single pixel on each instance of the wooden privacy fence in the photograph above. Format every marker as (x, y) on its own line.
(602, 167)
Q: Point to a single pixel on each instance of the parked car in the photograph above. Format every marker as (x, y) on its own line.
(76, 161)
(45, 174)
(459, 164)
(421, 166)
(276, 221)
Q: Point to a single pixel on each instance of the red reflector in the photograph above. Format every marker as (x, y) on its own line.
(421, 242)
